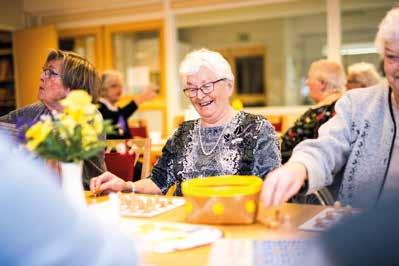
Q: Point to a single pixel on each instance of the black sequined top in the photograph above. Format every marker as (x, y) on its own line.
(249, 146)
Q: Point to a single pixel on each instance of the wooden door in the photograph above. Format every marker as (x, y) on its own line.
(30, 48)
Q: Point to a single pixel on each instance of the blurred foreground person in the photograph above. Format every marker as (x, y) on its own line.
(369, 239)
(38, 227)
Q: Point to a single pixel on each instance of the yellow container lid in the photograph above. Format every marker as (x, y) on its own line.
(222, 186)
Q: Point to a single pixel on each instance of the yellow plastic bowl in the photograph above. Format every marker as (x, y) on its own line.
(222, 199)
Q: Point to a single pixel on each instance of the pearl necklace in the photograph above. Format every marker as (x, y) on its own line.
(217, 142)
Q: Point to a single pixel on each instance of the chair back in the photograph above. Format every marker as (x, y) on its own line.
(140, 147)
(121, 165)
(138, 128)
(139, 131)
(276, 121)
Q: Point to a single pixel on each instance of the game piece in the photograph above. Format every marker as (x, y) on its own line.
(143, 206)
(337, 205)
(330, 215)
(286, 222)
(327, 218)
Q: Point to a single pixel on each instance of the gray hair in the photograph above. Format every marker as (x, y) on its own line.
(364, 73)
(107, 77)
(329, 72)
(212, 60)
(388, 30)
(77, 72)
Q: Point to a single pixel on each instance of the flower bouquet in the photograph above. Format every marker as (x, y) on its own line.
(71, 136)
(76, 134)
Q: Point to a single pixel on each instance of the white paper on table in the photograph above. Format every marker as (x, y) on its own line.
(164, 237)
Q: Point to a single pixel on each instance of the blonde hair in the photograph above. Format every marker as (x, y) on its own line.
(77, 72)
(107, 77)
(329, 72)
(364, 73)
(212, 60)
(388, 30)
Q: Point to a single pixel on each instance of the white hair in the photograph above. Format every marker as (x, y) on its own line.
(329, 72)
(364, 73)
(388, 30)
(107, 77)
(212, 60)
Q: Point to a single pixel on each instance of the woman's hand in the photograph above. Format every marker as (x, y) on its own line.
(108, 182)
(146, 94)
(283, 183)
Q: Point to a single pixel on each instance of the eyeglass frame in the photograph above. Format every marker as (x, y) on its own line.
(49, 73)
(185, 91)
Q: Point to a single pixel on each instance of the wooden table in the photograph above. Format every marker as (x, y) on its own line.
(199, 256)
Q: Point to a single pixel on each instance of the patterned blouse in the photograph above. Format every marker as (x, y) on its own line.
(306, 127)
(247, 145)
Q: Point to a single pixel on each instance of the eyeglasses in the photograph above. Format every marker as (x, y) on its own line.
(205, 89)
(49, 73)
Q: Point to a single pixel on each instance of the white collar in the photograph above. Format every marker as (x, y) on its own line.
(107, 103)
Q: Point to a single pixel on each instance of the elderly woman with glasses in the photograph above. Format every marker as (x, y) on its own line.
(357, 151)
(221, 142)
(62, 73)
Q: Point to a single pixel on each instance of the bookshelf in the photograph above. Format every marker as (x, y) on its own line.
(7, 88)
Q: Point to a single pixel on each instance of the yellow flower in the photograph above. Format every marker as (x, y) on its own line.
(89, 135)
(98, 123)
(38, 133)
(76, 99)
(69, 123)
(78, 105)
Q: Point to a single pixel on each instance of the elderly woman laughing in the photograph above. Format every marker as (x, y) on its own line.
(221, 142)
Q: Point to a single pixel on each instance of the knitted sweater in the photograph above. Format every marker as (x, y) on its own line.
(352, 153)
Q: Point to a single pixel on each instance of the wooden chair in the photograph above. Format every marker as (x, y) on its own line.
(276, 121)
(121, 165)
(142, 149)
(138, 128)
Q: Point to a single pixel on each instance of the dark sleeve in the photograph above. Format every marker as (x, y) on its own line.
(161, 173)
(267, 153)
(297, 133)
(93, 167)
(27, 115)
(108, 114)
(306, 127)
(129, 109)
(10, 118)
(164, 173)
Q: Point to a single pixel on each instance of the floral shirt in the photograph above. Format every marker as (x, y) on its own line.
(247, 145)
(306, 127)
